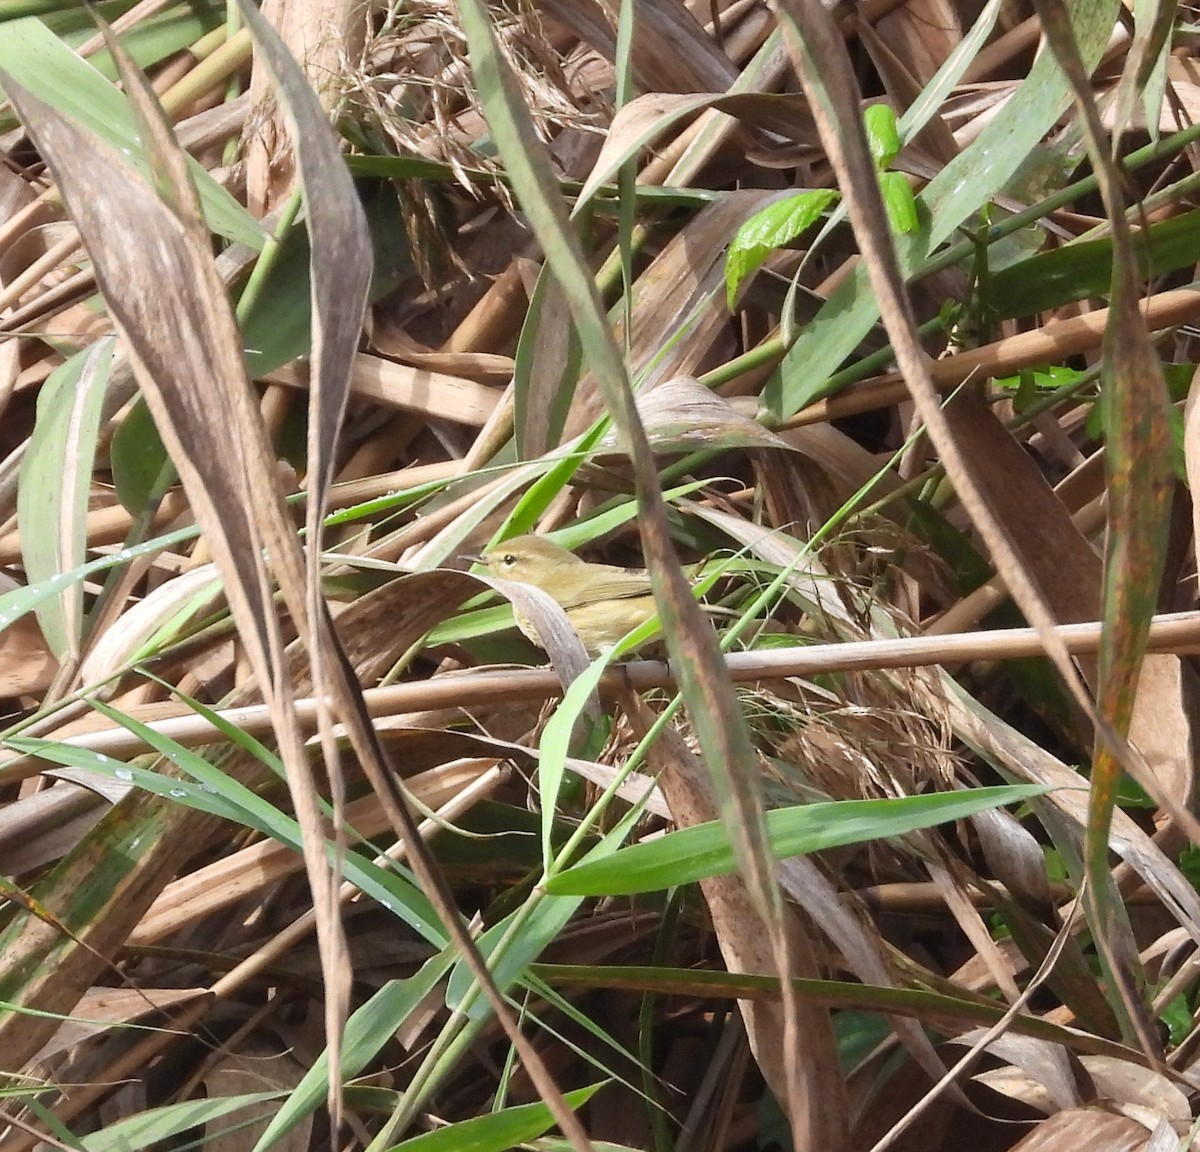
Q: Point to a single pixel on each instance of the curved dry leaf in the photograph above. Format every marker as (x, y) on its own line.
(1127, 1084)
(1013, 856)
(186, 351)
(1138, 1092)
(681, 414)
(161, 614)
(1043, 1076)
(44, 826)
(559, 640)
(682, 290)
(640, 122)
(1085, 1128)
(1017, 1084)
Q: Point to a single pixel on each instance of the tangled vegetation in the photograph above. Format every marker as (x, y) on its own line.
(864, 330)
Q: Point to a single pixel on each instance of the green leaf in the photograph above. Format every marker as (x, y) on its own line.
(497, 1131)
(883, 137)
(41, 63)
(148, 1128)
(959, 189)
(1083, 269)
(55, 482)
(703, 850)
(137, 456)
(367, 1031)
(152, 40)
(900, 202)
(1177, 1016)
(774, 227)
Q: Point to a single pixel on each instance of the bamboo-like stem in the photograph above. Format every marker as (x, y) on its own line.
(1173, 632)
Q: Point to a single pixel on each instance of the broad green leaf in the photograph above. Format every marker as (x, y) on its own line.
(276, 327)
(773, 227)
(25, 9)
(1083, 269)
(152, 40)
(137, 457)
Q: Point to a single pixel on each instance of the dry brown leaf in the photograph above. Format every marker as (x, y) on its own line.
(671, 51)
(1085, 1128)
(746, 946)
(1140, 1093)
(1058, 560)
(253, 1067)
(922, 33)
(99, 1008)
(174, 603)
(27, 666)
(44, 826)
(681, 413)
(1043, 1076)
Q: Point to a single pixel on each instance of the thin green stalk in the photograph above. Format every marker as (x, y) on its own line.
(269, 255)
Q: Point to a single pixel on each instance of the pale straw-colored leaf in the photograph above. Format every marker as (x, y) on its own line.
(56, 480)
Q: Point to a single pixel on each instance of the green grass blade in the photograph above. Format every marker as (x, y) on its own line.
(691, 854)
(41, 63)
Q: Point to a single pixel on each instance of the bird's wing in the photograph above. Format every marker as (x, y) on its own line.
(610, 583)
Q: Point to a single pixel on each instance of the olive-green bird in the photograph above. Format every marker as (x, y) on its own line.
(603, 602)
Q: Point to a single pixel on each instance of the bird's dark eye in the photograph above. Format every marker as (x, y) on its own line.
(508, 560)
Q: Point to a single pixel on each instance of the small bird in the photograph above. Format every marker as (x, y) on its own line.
(604, 603)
